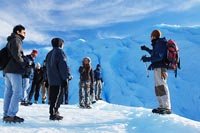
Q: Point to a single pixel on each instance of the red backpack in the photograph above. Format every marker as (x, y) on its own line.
(172, 60)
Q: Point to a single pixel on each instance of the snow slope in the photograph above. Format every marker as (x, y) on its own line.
(104, 117)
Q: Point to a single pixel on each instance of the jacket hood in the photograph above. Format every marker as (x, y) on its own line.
(57, 42)
(13, 35)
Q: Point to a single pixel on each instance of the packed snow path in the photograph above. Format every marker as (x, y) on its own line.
(103, 117)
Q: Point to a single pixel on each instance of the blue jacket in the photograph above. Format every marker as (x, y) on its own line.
(98, 74)
(158, 53)
(57, 69)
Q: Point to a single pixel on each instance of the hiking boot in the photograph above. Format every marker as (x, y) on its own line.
(82, 106)
(156, 110)
(88, 107)
(15, 119)
(5, 117)
(22, 103)
(18, 119)
(8, 119)
(25, 104)
(165, 111)
(43, 101)
(96, 98)
(93, 102)
(55, 117)
(100, 98)
(29, 103)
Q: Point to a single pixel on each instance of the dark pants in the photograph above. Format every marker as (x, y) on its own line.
(65, 94)
(35, 88)
(55, 97)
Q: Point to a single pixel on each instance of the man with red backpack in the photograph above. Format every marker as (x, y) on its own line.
(159, 65)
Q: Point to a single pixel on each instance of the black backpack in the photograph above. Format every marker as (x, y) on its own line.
(4, 57)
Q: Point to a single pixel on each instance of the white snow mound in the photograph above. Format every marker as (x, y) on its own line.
(103, 117)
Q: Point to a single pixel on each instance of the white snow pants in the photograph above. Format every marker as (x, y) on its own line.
(161, 88)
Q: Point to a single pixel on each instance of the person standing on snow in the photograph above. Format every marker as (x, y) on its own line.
(98, 82)
(157, 58)
(86, 83)
(44, 83)
(65, 95)
(36, 84)
(13, 75)
(26, 83)
(57, 75)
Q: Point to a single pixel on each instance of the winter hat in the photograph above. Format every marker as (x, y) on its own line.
(35, 52)
(38, 66)
(156, 34)
(87, 58)
(57, 42)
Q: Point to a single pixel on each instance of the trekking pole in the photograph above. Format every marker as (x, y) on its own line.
(147, 71)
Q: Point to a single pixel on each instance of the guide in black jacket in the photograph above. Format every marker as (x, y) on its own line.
(157, 58)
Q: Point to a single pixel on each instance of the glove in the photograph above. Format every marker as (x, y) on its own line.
(30, 63)
(146, 59)
(144, 47)
(70, 77)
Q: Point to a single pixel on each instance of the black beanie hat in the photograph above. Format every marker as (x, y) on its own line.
(57, 42)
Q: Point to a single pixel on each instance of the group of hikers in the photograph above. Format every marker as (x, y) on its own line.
(54, 76)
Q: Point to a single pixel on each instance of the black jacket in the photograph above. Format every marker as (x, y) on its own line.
(16, 64)
(29, 68)
(38, 76)
(57, 69)
(158, 53)
(98, 74)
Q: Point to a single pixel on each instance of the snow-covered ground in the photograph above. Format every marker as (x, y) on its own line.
(103, 118)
